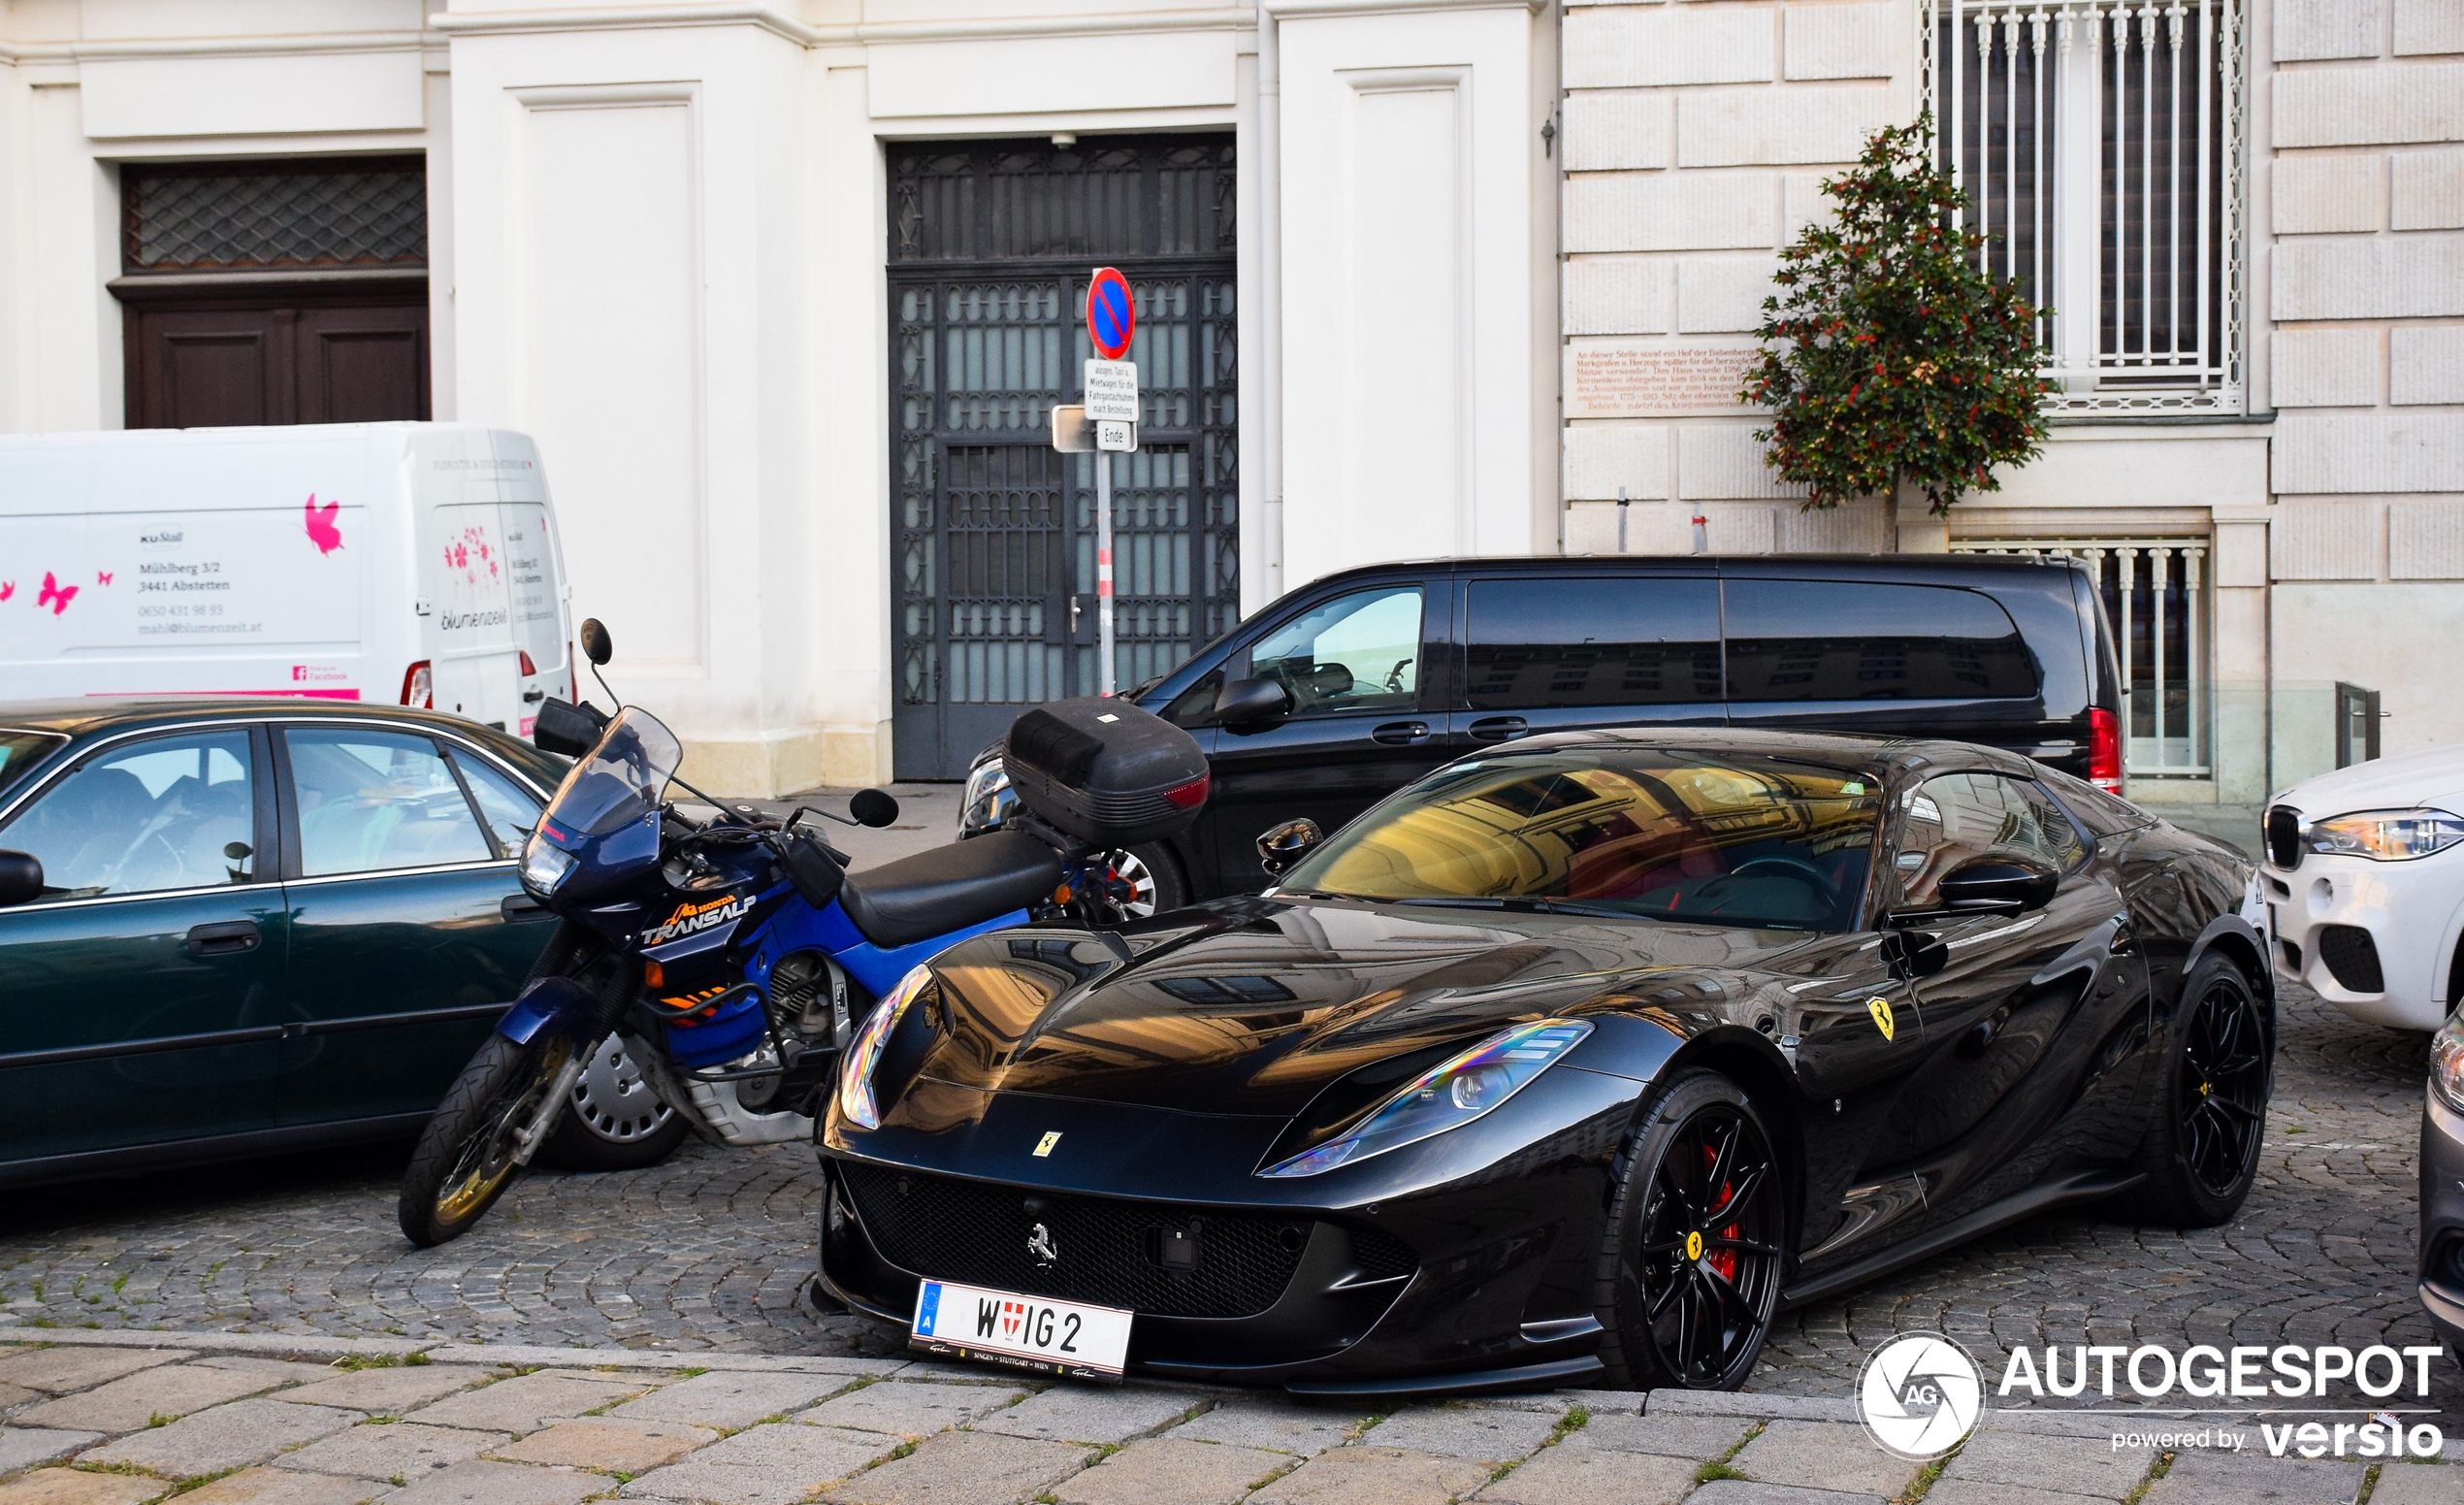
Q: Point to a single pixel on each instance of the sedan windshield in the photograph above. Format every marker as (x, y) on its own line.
(1726, 839)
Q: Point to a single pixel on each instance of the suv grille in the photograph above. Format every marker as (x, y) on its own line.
(2284, 838)
(1110, 1251)
(2351, 958)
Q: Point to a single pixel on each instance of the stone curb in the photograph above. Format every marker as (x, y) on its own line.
(1773, 1408)
(273, 1344)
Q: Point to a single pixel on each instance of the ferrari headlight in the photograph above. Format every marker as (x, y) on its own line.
(544, 865)
(856, 1072)
(2386, 835)
(1447, 1096)
(2447, 1062)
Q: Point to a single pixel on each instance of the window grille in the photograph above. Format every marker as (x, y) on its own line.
(248, 216)
(2156, 597)
(2099, 142)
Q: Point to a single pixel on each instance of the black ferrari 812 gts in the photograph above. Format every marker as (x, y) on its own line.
(1572, 1063)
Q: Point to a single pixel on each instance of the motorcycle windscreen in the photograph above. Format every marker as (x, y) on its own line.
(620, 780)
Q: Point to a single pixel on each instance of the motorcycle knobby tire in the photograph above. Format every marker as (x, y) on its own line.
(464, 1160)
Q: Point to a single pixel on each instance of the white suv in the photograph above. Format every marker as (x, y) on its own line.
(2362, 892)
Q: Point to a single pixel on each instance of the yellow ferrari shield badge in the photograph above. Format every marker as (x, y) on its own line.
(1880, 1009)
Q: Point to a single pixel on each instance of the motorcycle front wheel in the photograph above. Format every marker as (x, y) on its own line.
(464, 1158)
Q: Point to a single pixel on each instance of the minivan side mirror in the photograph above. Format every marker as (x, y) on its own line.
(1245, 701)
(1998, 885)
(597, 645)
(1280, 847)
(563, 727)
(20, 878)
(875, 807)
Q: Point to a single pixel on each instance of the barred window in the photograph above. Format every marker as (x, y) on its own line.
(2098, 140)
(246, 216)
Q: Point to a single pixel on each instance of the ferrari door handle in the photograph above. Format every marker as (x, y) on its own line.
(1401, 733)
(227, 939)
(1499, 729)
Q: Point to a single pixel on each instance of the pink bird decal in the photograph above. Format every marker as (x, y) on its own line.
(321, 530)
(55, 595)
(101, 577)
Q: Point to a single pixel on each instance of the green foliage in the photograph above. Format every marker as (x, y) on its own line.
(1888, 355)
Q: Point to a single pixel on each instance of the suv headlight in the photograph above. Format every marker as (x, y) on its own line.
(544, 865)
(1447, 1096)
(856, 1073)
(2386, 835)
(2447, 1062)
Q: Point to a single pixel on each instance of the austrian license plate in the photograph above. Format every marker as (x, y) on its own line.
(1025, 1332)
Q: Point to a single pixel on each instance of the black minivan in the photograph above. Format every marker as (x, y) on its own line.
(1344, 690)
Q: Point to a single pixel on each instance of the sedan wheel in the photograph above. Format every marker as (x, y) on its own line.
(616, 1122)
(2201, 1152)
(1691, 1273)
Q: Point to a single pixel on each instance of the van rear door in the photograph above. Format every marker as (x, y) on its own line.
(466, 564)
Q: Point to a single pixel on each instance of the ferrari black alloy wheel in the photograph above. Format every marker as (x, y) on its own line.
(1691, 1271)
(2201, 1152)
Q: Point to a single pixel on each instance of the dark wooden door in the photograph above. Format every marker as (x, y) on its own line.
(216, 365)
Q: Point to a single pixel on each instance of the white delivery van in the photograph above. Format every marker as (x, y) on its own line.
(397, 563)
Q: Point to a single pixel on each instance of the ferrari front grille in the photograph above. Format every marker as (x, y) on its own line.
(1094, 1249)
(2284, 838)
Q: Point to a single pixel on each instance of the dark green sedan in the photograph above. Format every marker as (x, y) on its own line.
(264, 924)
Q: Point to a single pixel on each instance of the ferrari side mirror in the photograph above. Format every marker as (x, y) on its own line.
(1998, 885)
(1283, 845)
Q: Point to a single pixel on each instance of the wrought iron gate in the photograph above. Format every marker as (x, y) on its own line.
(992, 564)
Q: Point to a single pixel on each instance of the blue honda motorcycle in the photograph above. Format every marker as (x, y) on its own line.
(734, 956)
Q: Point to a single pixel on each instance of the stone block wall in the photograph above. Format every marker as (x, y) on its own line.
(2366, 308)
(1696, 134)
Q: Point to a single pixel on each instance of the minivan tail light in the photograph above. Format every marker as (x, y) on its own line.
(528, 668)
(2104, 750)
(419, 686)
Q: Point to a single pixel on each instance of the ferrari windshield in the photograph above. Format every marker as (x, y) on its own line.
(1726, 839)
(620, 780)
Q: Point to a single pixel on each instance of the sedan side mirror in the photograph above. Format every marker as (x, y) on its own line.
(1285, 844)
(874, 808)
(1247, 701)
(20, 878)
(1998, 885)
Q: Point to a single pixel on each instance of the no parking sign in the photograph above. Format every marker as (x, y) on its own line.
(1112, 317)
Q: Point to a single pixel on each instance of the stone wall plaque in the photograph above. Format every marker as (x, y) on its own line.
(1634, 378)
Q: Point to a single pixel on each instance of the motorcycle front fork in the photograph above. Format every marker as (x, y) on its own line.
(530, 1136)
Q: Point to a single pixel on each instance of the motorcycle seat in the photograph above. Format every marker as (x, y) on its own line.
(949, 888)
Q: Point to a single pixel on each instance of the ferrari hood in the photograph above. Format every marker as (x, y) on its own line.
(1252, 1006)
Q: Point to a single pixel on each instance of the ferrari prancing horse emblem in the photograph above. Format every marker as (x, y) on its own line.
(1880, 1009)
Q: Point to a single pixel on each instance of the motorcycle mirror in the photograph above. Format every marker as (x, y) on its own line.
(874, 808)
(597, 645)
(1283, 845)
(20, 878)
(564, 727)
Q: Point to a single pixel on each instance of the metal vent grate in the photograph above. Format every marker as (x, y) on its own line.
(256, 217)
(2351, 958)
(2284, 838)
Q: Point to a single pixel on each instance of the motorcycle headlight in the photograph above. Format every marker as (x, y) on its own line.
(2447, 1062)
(544, 865)
(1447, 1096)
(856, 1072)
(2386, 835)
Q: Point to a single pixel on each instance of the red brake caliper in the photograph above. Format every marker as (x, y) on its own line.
(1724, 1259)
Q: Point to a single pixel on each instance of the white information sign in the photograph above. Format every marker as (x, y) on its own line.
(1116, 438)
(1112, 392)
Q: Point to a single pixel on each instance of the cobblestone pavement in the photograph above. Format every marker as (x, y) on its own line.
(226, 1420)
(707, 1252)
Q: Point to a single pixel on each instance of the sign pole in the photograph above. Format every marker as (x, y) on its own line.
(1104, 684)
(1111, 408)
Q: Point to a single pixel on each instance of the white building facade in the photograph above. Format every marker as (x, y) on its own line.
(786, 291)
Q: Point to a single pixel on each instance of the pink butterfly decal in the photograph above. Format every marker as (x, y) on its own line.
(55, 595)
(321, 530)
(8, 588)
(101, 577)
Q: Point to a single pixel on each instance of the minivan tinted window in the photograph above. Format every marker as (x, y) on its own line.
(1854, 640)
(1631, 642)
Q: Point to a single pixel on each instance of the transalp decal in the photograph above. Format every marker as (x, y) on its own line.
(693, 919)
